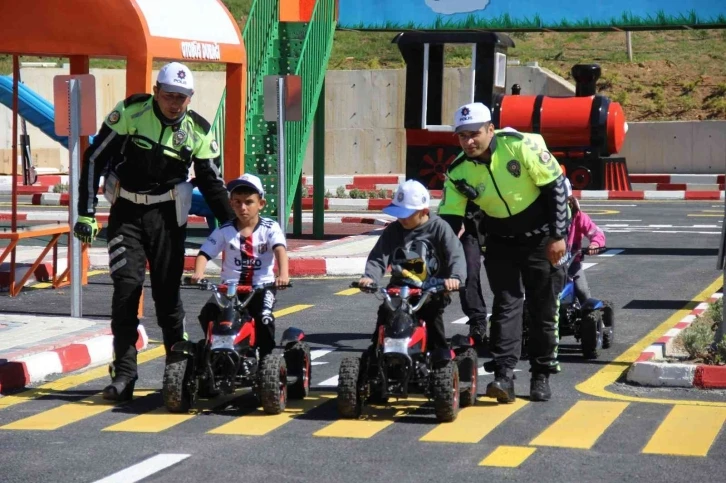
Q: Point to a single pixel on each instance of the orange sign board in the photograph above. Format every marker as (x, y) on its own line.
(62, 102)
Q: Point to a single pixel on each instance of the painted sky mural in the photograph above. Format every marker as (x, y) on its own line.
(529, 14)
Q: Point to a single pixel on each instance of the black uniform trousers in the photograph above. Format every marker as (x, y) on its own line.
(471, 296)
(432, 313)
(137, 233)
(513, 263)
(260, 308)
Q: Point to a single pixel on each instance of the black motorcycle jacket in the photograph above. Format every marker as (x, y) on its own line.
(151, 155)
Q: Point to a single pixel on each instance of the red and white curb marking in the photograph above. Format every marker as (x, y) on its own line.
(651, 370)
(18, 373)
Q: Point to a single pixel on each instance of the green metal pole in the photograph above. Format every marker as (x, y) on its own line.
(297, 210)
(319, 168)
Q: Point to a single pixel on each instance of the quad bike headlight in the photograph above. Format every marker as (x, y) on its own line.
(222, 342)
(399, 346)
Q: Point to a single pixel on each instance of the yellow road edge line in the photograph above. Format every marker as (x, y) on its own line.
(597, 383)
(67, 382)
(73, 380)
(67, 413)
(291, 310)
(473, 423)
(687, 431)
(581, 426)
(374, 420)
(348, 291)
(258, 423)
(160, 419)
(507, 456)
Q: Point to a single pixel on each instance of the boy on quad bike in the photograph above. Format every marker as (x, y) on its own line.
(427, 262)
(251, 245)
(420, 247)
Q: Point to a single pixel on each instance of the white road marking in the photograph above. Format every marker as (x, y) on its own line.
(317, 353)
(332, 382)
(585, 266)
(611, 253)
(483, 372)
(604, 204)
(144, 469)
(318, 363)
(462, 320)
(610, 220)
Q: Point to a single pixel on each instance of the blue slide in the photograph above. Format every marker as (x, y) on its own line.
(35, 109)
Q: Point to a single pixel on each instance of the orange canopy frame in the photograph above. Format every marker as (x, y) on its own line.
(138, 31)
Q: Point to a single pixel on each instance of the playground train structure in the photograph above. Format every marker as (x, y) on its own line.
(585, 132)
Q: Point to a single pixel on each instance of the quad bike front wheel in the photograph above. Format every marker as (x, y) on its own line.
(349, 400)
(178, 387)
(297, 358)
(446, 392)
(467, 363)
(273, 384)
(591, 334)
(608, 322)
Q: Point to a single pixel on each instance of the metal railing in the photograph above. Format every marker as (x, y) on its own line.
(311, 66)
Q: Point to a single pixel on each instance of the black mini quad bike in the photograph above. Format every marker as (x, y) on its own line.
(228, 358)
(399, 362)
(592, 323)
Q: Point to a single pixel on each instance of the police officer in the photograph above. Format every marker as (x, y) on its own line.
(144, 149)
(520, 189)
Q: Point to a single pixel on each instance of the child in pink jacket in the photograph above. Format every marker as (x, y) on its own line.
(581, 227)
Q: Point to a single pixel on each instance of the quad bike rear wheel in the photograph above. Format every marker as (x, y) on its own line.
(467, 363)
(591, 334)
(297, 358)
(608, 322)
(273, 384)
(349, 400)
(446, 392)
(178, 387)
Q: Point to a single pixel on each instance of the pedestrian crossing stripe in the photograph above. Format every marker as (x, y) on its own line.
(684, 431)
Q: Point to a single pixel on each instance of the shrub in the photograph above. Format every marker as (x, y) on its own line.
(340, 192)
(696, 338)
(61, 188)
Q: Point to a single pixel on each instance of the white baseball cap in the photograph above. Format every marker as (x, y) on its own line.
(471, 117)
(176, 77)
(409, 197)
(249, 181)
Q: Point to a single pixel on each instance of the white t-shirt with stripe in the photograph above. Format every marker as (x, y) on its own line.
(251, 259)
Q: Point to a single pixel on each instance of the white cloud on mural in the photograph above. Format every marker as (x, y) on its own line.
(448, 7)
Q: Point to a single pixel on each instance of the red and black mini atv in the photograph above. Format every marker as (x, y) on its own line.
(400, 362)
(228, 358)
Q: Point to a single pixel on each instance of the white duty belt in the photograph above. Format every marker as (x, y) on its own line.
(142, 199)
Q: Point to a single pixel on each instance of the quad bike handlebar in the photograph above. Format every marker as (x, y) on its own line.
(228, 292)
(404, 292)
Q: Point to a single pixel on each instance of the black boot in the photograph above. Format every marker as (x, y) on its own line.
(478, 332)
(539, 387)
(502, 388)
(121, 389)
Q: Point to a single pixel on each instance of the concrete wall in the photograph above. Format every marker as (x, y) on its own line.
(364, 114)
(676, 147)
(110, 89)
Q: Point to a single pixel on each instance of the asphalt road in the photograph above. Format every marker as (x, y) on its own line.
(575, 437)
